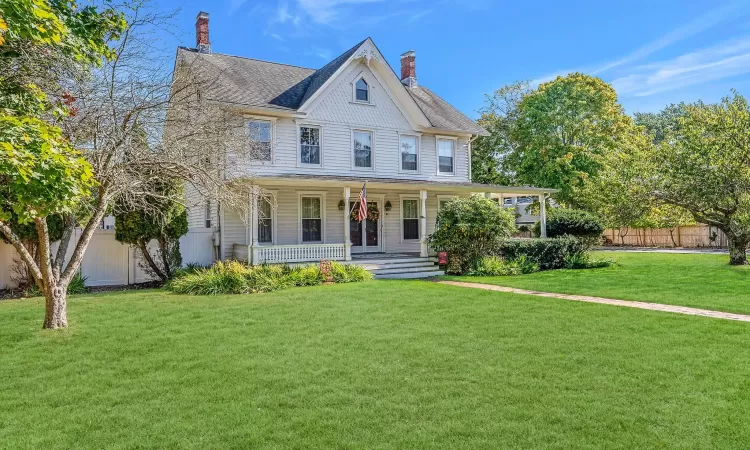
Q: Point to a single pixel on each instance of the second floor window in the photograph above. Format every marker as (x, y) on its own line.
(408, 152)
(362, 91)
(207, 214)
(363, 149)
(260, 137)
(445, 156)
(309, 140)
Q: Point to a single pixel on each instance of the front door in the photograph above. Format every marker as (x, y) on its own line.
(365, 235)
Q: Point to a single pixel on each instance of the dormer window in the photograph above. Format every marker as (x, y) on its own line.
(362, 91)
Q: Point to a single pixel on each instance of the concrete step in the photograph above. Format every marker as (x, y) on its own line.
(425, 274)
(397, 265)
(390, 270)
(383, 261)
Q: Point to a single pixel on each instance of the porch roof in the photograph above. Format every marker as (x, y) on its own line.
(396, 183)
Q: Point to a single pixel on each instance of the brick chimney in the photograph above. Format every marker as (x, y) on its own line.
(409, 68)
(202, 44)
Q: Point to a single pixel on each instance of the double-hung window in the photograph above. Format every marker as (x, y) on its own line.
(265, 221)
(362, 149)
(312, 219)
(309, 145)
(408, 146)
(207, 214)
(446, 152)
(260, 138)
(410, 218)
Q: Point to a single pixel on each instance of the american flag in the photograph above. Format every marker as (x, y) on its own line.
(362, 203)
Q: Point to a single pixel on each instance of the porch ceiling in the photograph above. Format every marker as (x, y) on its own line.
(394, 183)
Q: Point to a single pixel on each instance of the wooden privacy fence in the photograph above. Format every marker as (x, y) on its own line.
(691, 236)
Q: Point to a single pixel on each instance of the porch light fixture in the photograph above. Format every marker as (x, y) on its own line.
(388, 206)
(341, 205)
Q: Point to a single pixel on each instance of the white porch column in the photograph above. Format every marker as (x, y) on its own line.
(542, 217)
(254, 225)
(423, 224)
(347, 230)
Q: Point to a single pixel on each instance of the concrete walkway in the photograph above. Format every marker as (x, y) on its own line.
(607, 301)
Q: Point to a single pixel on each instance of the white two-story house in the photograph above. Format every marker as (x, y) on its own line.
(327, 132)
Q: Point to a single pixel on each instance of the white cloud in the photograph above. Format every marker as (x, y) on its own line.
(327, 11)
(709, 20)
(727, 59)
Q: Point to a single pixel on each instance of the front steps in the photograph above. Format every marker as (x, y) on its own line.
(410, 267)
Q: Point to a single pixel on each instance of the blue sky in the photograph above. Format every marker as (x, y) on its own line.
(654, 52)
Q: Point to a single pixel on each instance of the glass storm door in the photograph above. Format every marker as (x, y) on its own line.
(365, 235)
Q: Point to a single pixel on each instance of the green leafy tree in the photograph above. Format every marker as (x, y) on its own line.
(493, 157)
(43, 45)
(704, 168)
(572, 222)
(470, 228)
(165, 222)
(564, 129)
(661, 124)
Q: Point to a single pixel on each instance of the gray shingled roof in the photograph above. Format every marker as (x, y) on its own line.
(251, 82)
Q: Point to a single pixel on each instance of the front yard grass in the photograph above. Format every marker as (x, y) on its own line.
(697, 280)
(380, 364)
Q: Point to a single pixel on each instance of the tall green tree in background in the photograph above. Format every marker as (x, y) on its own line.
(493, 157)
(564, 129)
(43, 46)
(704, 168)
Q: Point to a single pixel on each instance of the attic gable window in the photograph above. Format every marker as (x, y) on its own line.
(362, 91)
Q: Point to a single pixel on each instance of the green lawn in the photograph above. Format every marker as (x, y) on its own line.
(701, 281)
(381, 364)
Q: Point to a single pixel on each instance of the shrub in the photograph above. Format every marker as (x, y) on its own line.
(549, 253)
(496, 266)
(584, 261)
(233, 277)
(573, 222)
(470, 228)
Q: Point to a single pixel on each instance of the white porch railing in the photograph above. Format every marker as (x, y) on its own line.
(291, 253)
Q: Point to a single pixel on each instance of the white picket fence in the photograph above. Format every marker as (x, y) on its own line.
(108, 262)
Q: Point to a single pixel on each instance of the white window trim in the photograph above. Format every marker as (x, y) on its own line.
(208, 214)
(322, 196)
(274, 222)
(418, 137)
(272, 121)
(437, 155)
(372, 150)
(301, 125)
(362, 76)
(401, 199)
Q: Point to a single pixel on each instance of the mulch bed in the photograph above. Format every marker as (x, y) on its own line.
(6, 294)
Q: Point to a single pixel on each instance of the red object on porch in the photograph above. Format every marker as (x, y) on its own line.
(442, 258)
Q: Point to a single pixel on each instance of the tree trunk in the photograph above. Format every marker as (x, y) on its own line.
(164, 248)
(737, 250)
(56, 308)
(143, 245)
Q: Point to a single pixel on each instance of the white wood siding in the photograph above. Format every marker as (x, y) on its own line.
(288, 220)
(337, 115)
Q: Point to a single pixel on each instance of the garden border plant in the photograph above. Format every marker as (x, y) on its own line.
(234, 277)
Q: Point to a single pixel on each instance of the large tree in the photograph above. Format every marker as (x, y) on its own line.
(113, 143)
(493, 157)
(704, 167)
(563, 130)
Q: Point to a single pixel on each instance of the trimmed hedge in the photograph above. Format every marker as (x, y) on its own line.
(573, 222)
(548, 253)
(234, 277)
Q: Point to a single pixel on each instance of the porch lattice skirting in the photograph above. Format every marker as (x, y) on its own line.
(291, 253)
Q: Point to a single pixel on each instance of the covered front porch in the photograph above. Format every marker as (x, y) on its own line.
(296, 219)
